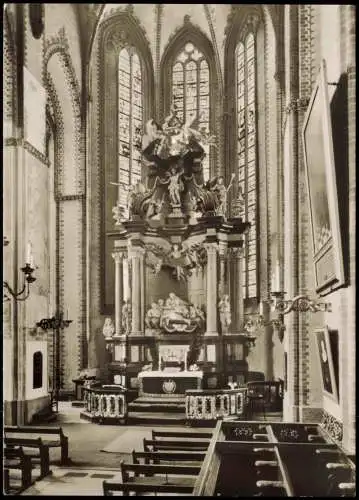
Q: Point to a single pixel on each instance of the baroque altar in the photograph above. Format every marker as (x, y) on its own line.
(178, 266)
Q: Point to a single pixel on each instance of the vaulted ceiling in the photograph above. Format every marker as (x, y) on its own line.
(160, 21)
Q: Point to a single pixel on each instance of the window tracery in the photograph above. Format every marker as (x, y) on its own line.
(191, 92)
(130, 115)
(247, 153)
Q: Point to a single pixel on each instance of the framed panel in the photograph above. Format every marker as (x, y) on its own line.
(322, 189)
(329, 382)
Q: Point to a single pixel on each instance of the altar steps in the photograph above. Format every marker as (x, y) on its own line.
(157, 410)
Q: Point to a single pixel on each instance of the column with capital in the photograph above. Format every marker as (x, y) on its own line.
(136, 257)
(118, 258)
(222, 286)
(212, 249)
(237, 304)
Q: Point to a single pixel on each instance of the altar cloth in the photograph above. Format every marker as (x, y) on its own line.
(168, 383)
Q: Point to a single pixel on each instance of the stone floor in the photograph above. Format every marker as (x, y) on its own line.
(89, 465)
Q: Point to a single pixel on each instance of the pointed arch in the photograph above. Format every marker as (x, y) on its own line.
(191, 34)
(119, 30)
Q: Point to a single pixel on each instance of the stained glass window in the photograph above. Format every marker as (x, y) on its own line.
(247, 155)
(129, 120)
(190, 92)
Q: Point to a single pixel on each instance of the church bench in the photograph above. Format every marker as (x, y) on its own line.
(148, 485)
(153, 469)
(35, 449)
(51, 436)
(167, 456)
(174, 445)
(181, 434)
(16, 459)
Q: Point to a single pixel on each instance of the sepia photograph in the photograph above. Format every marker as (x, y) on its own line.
(179, 250)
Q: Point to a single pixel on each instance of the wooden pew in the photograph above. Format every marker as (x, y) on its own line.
(151, 469)
(16, 459)
(156, 457)
(35, 449)
(110, 486)
(174, 445)
(58, 439)
(180, 434)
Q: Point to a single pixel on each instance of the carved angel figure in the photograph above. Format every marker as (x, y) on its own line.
(225, 316)
(126, 316)
(175, 186)
(108, 328)
(153, 316)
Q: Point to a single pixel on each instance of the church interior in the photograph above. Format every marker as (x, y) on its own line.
(179, 200)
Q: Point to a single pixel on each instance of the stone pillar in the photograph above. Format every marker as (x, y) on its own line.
(212, 306)
(236, 279)
(223, 286)
(126, 281)
(142, 292)
(136, 257)
(118, 258)
(290, 168)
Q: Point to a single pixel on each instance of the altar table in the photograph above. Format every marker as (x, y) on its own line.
(167, 383)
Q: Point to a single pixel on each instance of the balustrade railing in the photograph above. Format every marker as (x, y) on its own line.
(105, 403)
(213, 404)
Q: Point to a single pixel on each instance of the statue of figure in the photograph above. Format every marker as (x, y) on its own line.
(108, 328)
(176, 310)
(224, 307)
(221, 190)
(238, 204)
(126, 316)
(153, 316)
(175, 186)
(196, 314)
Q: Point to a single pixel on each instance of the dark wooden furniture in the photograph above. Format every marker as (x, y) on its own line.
(178, 434)
(16, 459)
(162, 469)
(174, 445)
(264, 396)
(35, 449)
(51, 437)
(150, 485)
(156, 457)
(274, 459)
(157, 479)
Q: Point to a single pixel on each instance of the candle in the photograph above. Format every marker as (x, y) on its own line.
(261, 308)
(28, 253)
(277, 278)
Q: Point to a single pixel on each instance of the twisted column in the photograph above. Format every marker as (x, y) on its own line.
(118, 258)
(212, 249)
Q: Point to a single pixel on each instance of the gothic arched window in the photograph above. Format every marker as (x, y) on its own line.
(247, 154)
(191, 91)
(130, 116)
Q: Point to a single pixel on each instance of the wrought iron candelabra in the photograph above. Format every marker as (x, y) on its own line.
(300, 303)
(28, 269)
(56, 323)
